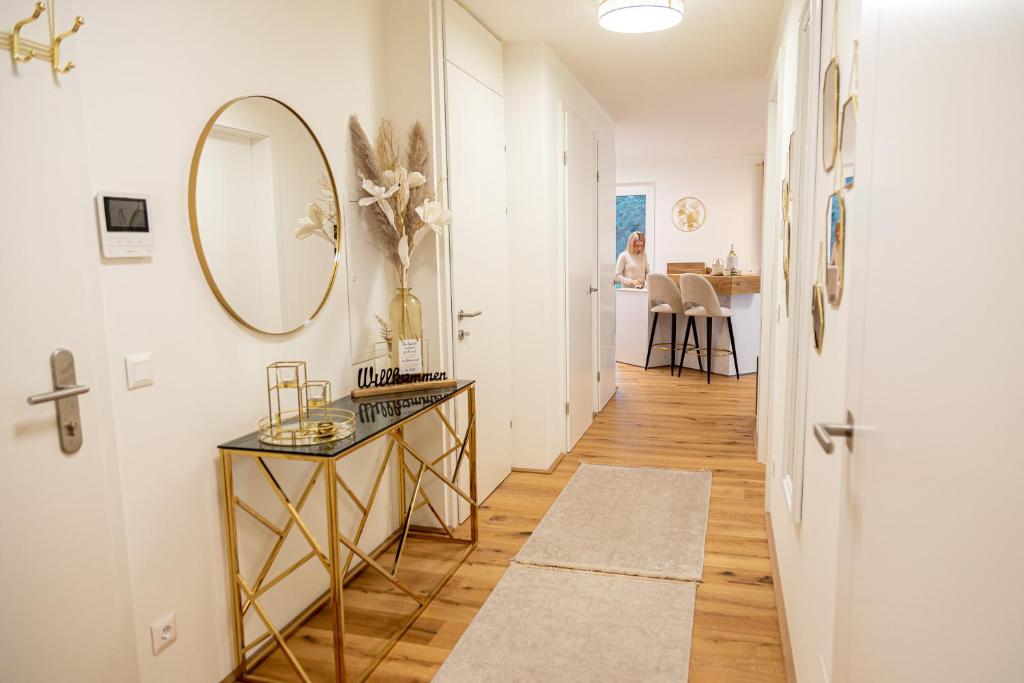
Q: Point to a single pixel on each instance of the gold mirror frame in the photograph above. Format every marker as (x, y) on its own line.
(194, 218)
(685, 227)
(786, 227)
(835, 254)
(787, 236)
(830, 99)
(791, 160)
(850, 105)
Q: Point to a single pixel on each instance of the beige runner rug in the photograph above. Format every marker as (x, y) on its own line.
(542, 624)
(639, 521)
(603, 590)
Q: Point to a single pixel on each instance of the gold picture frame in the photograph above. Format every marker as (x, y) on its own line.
(787, 214)
(848, 141)
(830, 115)
(689, 214)
(836, 247)
(197, 241)
(818, 316)
(787, 236)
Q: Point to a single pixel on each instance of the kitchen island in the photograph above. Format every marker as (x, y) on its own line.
(740, 293)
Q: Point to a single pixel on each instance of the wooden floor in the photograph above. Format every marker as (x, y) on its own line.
(653, 420)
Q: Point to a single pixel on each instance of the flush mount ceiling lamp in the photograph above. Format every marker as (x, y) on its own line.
(639, 16)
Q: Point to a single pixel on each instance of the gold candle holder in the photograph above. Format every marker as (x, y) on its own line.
(299, 410)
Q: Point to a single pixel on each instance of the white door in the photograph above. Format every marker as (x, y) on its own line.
(480, 281)
(65, 601)
(933, 536)
(581, 273)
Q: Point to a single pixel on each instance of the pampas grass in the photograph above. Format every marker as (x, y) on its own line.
(407, 176)
(387, 152)
(418, 160)
(368, 166)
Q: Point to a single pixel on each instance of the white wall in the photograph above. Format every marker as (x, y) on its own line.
(730, 188)
(805, 549)
(151, 75)
(537, 87)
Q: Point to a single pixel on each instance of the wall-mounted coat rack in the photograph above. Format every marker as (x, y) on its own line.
(25, 50)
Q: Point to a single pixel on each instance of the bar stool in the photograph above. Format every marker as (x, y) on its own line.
(664, 297)
(701, 302)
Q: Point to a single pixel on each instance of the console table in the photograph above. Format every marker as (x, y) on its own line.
(380, 417)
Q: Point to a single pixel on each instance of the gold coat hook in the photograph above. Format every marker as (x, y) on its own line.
(16, 35)
(55, 56)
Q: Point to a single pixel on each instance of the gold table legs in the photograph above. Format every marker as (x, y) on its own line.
(337, 557)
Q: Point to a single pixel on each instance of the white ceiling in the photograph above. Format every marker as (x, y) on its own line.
(642, 77)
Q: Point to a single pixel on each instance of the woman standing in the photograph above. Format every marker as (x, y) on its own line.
(632, 267)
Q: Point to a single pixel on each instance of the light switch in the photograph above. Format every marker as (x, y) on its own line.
(139, 369)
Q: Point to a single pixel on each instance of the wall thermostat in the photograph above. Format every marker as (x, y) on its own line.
(124, 225)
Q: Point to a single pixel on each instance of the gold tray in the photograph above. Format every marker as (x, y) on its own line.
(324, 425)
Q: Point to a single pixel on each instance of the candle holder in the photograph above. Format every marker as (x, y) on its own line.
(299, 410)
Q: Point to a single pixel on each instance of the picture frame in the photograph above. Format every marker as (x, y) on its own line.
(835, 247)
(848, 141)
(830, 115)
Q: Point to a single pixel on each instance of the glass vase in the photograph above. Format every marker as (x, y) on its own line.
(406, 317)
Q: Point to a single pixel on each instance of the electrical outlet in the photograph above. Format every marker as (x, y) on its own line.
(164, 631)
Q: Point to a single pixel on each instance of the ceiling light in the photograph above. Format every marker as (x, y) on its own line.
(639, 16)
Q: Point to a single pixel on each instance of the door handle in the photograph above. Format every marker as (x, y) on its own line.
(594, 289)
(824, 431)
(64, 396)
(64, 392)
(471, 314)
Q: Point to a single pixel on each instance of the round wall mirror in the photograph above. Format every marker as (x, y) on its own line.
(265, 215)
(830, 115)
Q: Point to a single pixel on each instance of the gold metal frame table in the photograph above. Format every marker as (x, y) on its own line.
(378, 417)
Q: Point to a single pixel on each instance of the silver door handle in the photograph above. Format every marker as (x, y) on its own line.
(64, 396)
(63, 392)
(824, 431)
(594, 289)
(471, 314)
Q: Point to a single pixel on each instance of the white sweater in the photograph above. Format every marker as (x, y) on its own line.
(632, 267)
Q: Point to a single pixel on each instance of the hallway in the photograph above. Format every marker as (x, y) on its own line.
(658, 421)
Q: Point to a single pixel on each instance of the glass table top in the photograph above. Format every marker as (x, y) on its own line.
(374, 414)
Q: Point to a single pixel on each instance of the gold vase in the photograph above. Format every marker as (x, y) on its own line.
(406, 317)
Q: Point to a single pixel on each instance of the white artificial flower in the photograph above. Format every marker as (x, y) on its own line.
(404, 182)
(379, 196)
(314, 223)
(434, 215)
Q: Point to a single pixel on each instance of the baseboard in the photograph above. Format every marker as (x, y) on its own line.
(780, 603)
(549, 470)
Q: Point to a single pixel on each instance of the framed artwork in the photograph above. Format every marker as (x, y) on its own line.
(830, 115)
(818, 315)
(848, 141)
(689, 214)
(836, 247)
(818, 304)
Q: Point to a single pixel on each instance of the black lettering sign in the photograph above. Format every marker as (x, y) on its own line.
(367, 377)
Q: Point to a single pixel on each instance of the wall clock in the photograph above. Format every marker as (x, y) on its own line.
(688, 214)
